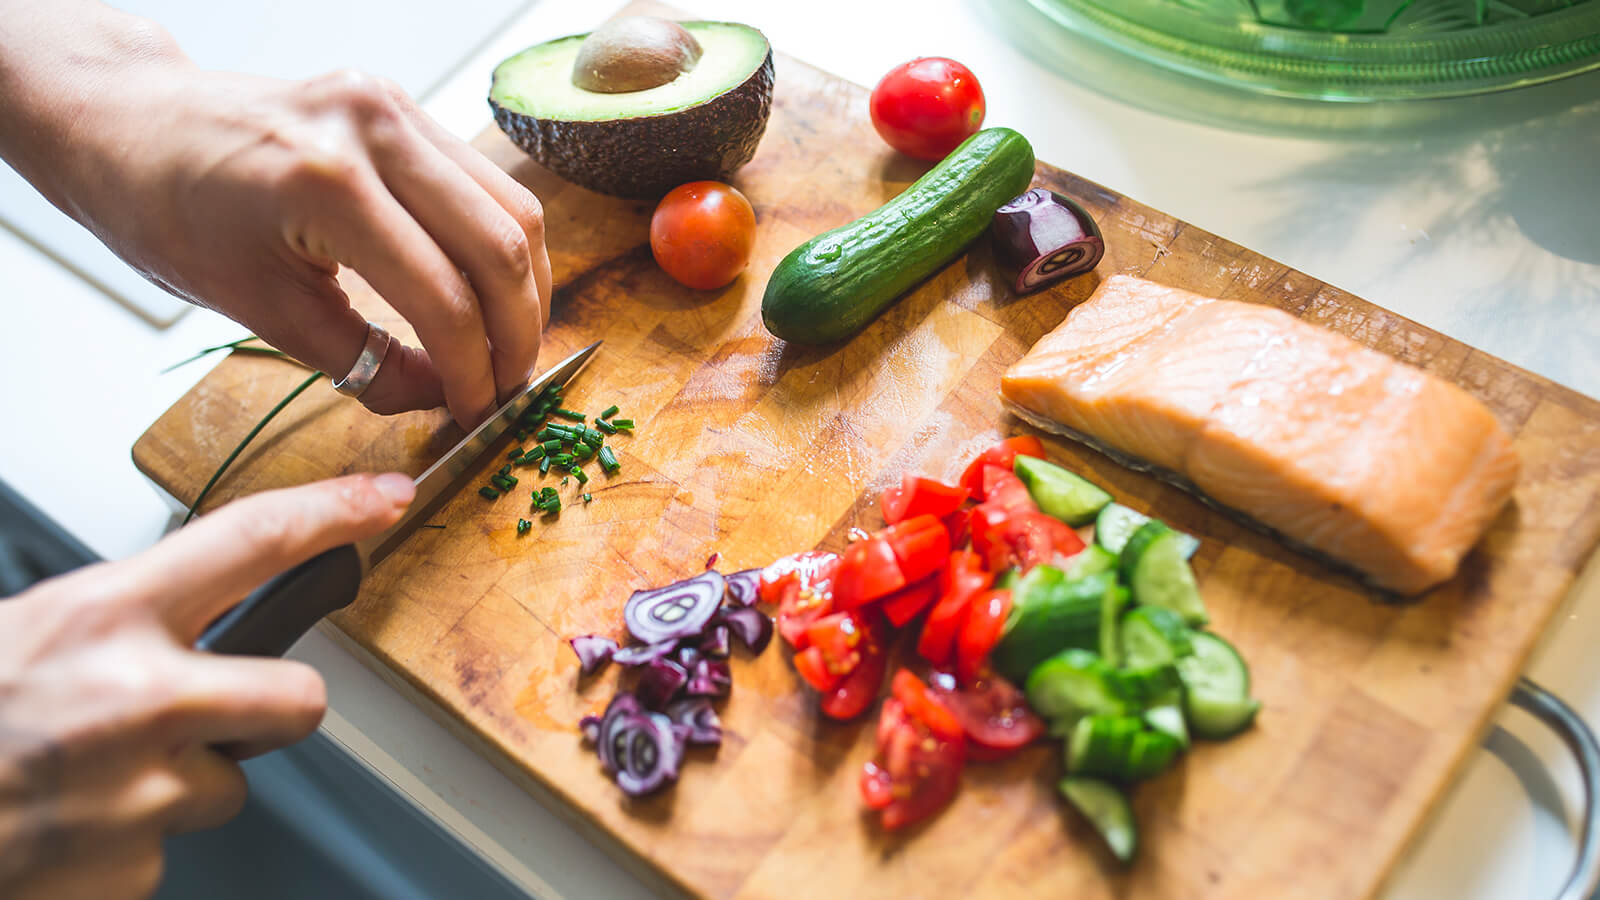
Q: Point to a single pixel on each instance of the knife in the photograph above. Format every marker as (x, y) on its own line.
(278, 613)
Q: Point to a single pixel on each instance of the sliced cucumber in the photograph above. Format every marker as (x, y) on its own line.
(1102, 745)
(1148, 685)
(1060, 493)
(1154, 566)
(1151, 754)
(1091, 560)
(1107, 809)
(1116, 523)
(1167, 718)
(1074, 683)
(1153, 635)
(1111, 607)
(1049, 615)
(1216, 683)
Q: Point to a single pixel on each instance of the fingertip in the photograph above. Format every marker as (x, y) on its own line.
(396, 488)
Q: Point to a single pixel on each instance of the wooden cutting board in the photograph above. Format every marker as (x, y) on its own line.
(755, 449)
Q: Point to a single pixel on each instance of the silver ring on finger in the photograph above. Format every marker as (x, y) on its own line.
(360, 376)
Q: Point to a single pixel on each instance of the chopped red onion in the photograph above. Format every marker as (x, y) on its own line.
(750, 624)
(717, 641)
(593, 651)
(676, 611)
(698, 718)
(742, 587)
(662, 679)
(639, 654)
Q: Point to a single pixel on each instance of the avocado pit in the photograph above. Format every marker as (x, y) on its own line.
(635, 53)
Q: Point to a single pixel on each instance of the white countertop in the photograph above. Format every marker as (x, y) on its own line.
(1478, 217)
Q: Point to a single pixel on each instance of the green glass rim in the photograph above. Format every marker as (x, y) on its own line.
(1289, 62)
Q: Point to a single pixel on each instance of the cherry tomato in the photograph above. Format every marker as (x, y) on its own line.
(702, 234)
(920, 496)
(856, 691)
(904, 605)
(924, 706)
(927, 107)
(962, 578)
(813, 667)
(800, 585)
(993, 712)
(867, 570)
(916, 769)
(986, 618)
(1003, 455)
(920, 546)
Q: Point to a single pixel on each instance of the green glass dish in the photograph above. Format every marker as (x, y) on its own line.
(1349, 50)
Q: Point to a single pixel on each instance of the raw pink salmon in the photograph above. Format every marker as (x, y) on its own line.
(1341, 449)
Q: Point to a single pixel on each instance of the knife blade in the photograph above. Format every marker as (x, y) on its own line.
(279, 612)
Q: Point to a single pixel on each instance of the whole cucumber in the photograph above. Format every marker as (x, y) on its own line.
(831, 286)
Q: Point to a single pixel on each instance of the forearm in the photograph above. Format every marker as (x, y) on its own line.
(67, 70)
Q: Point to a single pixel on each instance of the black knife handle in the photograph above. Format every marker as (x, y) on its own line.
(278, 613)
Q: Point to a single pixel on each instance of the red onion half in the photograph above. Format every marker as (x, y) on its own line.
(1042, 237)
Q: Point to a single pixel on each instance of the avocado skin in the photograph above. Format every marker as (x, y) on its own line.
(646, 156)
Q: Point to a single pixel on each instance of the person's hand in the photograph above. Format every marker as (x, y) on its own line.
(246, 194)
(113, 732)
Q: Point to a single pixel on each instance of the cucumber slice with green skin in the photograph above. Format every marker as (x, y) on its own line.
(1111, 607)
(1216, 680)
(1153, 635)
(1154, 566)
(1151, 754)
(1116, 523)
(1103, 745)
(1107, 809)
(1048, 615)
(1147, 685)
(1167, 718)
(1067, 496)
(1074, 683)
(1091, 560)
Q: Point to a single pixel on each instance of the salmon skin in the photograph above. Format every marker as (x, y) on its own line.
(1341, 450)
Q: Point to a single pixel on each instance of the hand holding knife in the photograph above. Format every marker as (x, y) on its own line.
(279, 612)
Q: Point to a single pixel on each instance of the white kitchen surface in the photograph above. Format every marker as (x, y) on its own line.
(1479, 217)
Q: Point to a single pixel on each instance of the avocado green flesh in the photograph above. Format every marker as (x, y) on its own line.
(538, 81)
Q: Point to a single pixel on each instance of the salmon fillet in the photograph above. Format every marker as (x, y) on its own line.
(1337, 447)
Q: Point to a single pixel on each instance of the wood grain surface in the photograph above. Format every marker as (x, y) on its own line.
(755, 449)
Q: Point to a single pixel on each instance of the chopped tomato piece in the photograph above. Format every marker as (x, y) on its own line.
(1003, 489)
(962, 578)
(993, 712)
(918, 770)
(813, 667)
(920, 546)
(986, 618)
(1003, 455)
(1020, 539)
(917, 496)
(800, 585)
(905, 605)
(959, 528)
(867, 570)
(856, 691)
(838, 637)
(924, 706)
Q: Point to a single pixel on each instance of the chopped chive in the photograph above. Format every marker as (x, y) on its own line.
(569, 414)
(488, 493)
(551, 446)
(544, 466)
(563, 481)
(608, 460)
(588, 498)
(554, 507)
(548, 491)
(610, 411)
(503, 482)
(536, 453)
(523, 525)
(505, 469)
(586, 450)
(516, 453)
(593, 436)
(553, 432)
(579, 474)
(563, 459)
(605, 426)
(624, 424)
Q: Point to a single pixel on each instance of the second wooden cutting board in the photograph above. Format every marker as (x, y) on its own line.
(755, 449)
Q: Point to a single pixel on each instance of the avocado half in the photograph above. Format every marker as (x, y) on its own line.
(704, 124)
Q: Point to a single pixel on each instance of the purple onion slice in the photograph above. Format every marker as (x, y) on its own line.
(717, 641)
(688, 657)
(641, 750)
(698, 718)
(593, 651)
(589, 726)
(676, 611)
(622, 705)
(1042, 237)
(742, 587)
(639, 654)
(712, 678)
(750, 624)
(662, 679)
